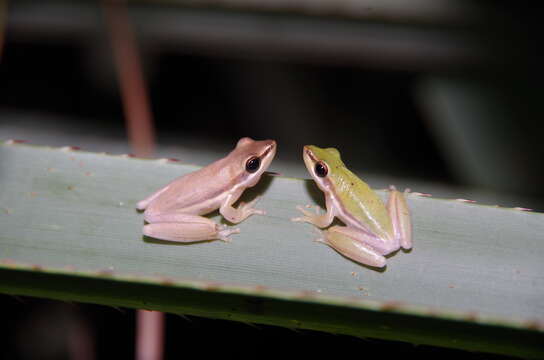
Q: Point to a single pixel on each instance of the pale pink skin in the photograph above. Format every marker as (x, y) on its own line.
(355, 240)
(174, 212)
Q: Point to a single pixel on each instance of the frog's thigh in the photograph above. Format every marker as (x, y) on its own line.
(142, 205)
(400, 217)
(342, 240)
(186, 228)
(177, 217)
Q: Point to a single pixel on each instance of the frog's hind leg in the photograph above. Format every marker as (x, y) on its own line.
(142, 205)
(185, 228)
(342, 240)
(400, 217)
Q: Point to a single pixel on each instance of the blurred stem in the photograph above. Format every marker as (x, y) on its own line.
(149, 335)
(136, 107)
(81, 344)
(138, 119)
(3, 20)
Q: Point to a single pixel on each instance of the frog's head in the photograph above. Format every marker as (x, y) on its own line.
(321, 163)
(252, 158)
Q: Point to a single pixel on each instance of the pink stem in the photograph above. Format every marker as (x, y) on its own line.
(149, 335)
(136, 107)
(138, 118)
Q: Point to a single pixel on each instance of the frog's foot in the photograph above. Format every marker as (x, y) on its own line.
(308, 215)
(244, 210)
(224, 232)
(248, 208)
(400, 216)
(394, 188)
(315, 218)
(320, 236)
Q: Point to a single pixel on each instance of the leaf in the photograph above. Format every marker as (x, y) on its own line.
(70, 231)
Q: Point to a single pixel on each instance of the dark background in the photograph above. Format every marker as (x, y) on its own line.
(42, 329)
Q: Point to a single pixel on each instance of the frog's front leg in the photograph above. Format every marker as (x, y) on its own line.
(316, 219)
(353, 244)
(400, 217)
(244, 210)
(185, 228)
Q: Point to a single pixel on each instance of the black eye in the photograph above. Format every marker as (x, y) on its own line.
(321, 169)
(253, 164)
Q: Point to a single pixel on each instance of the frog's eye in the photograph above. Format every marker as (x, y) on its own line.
(253, 164)
(321, 169)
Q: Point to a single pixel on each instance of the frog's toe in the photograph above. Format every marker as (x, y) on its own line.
(247, 208)
(320, 236)
(308, 214)
(394, 188)
(224, 232)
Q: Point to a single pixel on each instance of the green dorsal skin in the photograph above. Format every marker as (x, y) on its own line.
(356, 197)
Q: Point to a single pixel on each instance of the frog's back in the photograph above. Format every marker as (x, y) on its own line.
(360, 201)
(195, 189)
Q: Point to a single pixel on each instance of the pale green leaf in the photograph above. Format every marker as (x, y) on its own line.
(70, 231)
